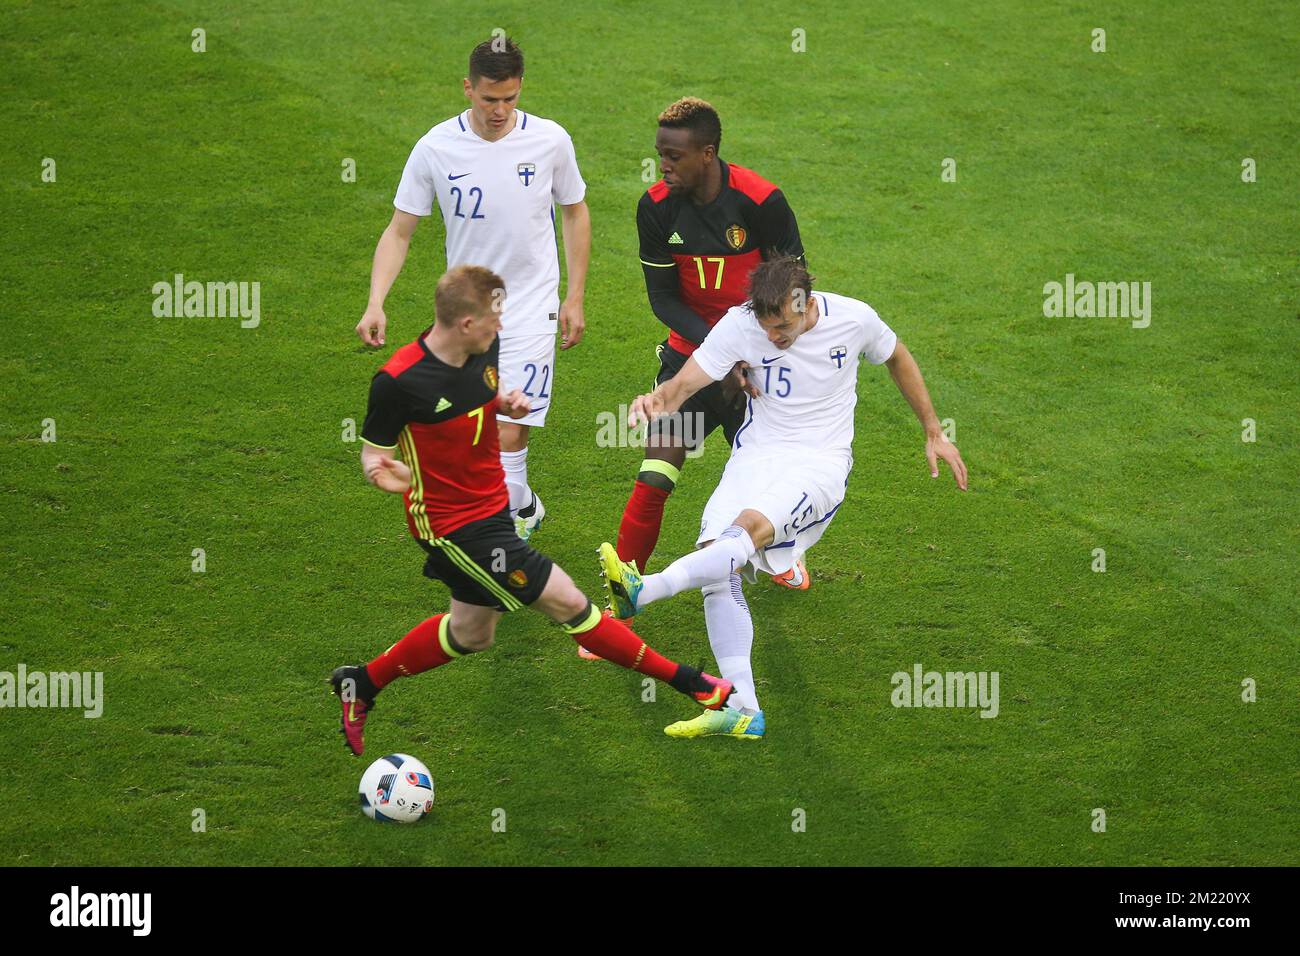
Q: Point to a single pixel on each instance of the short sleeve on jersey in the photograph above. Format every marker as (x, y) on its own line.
(415, 192)
(566, 185)
(386, 413)
(723, 348)
(878, 339)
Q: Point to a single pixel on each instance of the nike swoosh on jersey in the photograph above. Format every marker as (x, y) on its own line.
(461, 176)
(767, 361)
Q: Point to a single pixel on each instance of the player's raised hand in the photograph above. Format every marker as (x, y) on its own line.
(514, 404)
(938, 446)
(389, 474)
(572, 323)
(372, 326)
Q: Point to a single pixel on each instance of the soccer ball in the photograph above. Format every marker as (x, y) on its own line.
(396, 789)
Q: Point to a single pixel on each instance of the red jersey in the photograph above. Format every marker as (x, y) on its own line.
(443, 419)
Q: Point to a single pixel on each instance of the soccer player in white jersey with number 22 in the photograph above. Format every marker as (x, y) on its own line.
(496, 174)
(789, 463)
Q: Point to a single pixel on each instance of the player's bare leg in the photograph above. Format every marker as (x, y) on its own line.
(513, 436)
(465, 629)
(613, 640)
(525, 507)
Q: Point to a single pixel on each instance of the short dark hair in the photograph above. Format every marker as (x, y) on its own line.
(497, 59)
(772, 283)
(697, 116)
(465, 291)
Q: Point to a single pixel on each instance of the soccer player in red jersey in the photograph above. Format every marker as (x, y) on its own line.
(436, 399)
(703, 228)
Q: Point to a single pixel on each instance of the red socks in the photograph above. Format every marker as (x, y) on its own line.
(428, 645)
(420, 650)
(616, 642)
(638, 532)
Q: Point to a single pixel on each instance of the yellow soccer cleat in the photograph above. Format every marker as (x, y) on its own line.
(622, 582)
(721, 723)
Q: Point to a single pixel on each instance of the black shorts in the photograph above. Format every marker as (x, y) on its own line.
(485, 563)
(700, 414)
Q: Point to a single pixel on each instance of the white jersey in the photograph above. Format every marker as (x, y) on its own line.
(497, 201)
(809, 390)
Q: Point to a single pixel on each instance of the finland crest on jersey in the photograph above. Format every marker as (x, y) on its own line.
(809, 390)
(497, 202)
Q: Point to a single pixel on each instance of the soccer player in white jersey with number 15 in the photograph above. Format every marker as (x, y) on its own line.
(497, 174)
(789, 464)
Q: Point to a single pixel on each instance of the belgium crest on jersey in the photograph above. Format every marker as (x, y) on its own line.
(526, 172)
(736, 235)
(490, 377)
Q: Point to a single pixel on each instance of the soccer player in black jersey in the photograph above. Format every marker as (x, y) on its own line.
(703, 228)
(436, 399)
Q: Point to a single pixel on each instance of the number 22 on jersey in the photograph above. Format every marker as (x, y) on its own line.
(476, 195)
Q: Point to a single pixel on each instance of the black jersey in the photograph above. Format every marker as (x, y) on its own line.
(707, 252)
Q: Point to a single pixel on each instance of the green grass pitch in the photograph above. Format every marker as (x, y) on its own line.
(1120, 691)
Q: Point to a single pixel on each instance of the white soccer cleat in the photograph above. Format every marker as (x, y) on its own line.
(528, 520)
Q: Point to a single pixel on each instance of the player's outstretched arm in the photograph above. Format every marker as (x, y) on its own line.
(907, 376)
(669, 396)
(383, 471)
(390, 255)
(576, 220)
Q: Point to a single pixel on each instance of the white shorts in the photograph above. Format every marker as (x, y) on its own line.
(798, 496)
(527, 362)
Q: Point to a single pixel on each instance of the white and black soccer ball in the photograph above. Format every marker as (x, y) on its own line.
(396, 789)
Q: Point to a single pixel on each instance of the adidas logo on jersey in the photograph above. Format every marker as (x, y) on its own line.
(676, 240)
(443, 405)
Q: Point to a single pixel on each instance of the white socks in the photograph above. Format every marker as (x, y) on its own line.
(716, 571)
(515, 464)
(731, 635)
(725, 556)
